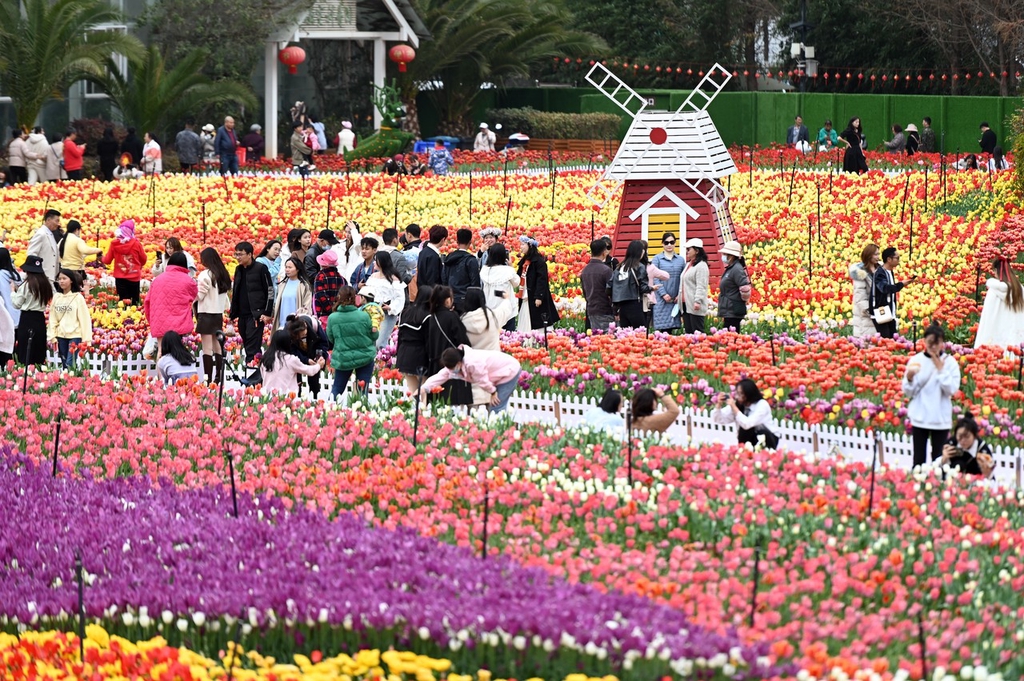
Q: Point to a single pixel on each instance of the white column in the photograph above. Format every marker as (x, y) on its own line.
(270, 100)
(379, 55)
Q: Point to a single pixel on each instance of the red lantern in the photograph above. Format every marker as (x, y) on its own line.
(657, 69)
(919, 78)
(701, 73)
(292, 57)
(757, 76)
(402, 55)
(931, 76)
(689, 72)
(746, 73)
(826, 75)
(980, 74)
(567, 60)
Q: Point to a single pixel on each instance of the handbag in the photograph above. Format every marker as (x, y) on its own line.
(883, 315)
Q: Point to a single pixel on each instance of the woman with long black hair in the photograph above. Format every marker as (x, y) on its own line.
(281, 365)
(628, 284)
(213, 284)
(537, 307)
(445, 330)
(296, 245)
(294, 294)
(32, 297)
(751, 413)
(176, 362)
(411, 355)
(853, 137)
(483, 324)
(387, 289)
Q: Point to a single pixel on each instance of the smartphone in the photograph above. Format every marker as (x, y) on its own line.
(500, 294)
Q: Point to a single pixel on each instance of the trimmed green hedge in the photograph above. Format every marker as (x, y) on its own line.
(549, 125)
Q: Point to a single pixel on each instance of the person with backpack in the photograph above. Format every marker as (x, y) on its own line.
(461, 269)
(628, 284)
(733, 287)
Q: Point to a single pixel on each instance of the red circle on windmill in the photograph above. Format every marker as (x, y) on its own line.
(659, 135)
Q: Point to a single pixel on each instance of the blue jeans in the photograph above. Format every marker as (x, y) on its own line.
(341, 376)
(67, 358)
(504, 391)
(228, 164)
(386, 327)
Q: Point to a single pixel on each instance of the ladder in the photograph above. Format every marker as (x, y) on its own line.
(599, 76)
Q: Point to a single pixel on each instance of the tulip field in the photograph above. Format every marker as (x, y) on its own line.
(285, 539)
(349, 541)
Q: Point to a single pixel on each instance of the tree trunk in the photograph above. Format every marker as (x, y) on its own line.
(412, 115)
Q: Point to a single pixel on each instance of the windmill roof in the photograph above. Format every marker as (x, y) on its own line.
(692, 148)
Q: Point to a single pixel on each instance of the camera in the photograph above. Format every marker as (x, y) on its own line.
(960, 451)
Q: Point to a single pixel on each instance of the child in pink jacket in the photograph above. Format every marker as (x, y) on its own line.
(494, 372)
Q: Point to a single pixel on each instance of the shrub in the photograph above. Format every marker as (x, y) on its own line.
(90, 131)
(557, 125)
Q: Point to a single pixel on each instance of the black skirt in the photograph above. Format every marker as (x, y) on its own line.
(209, 323)
(32, 323)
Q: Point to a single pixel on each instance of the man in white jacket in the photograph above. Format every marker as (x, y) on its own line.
(37, 149)
(44, 244)
(931, 379)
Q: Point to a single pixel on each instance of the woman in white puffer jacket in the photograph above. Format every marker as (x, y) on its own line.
(863, 274)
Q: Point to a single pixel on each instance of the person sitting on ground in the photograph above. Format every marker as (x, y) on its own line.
(644, 418)
(176, 362)
(281, 366)
(605, 415)
(965, 451)
(998, 160)
(495, 372)
(968, 162)
(395, 165)
(751, 413)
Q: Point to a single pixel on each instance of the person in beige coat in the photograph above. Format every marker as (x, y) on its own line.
(54, 170)
(693, 287)
(862, 274)
(37, 149)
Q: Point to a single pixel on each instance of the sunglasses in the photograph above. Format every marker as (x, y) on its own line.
(669, 243)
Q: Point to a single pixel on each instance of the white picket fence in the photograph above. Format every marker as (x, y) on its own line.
(693, 425)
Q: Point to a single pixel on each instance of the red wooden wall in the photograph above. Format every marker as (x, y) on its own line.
(636, 192)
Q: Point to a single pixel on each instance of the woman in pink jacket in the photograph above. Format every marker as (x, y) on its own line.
(168, 304)
(495, 372)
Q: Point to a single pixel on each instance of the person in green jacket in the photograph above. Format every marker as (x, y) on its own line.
(354, 340)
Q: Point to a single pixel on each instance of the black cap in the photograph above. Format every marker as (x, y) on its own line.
(328, 236)
(33, 263)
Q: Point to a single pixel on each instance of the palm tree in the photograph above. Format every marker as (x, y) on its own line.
(478, 41)
(46, 45)
(151, 96)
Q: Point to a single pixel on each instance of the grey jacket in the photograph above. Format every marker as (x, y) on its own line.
(730, 304)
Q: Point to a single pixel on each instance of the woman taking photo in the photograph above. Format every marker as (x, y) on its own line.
(965, 451)
(628, 284)
(445, 330)
(281, 367)
(74, 251)
(354, 343)
(271, 257)
(693, 297)
(128, 256)
(733, 287)
(411, 356)
(751, 413)
(168, 305)
(176, 362)
(294, 294)
(32, 297)
(212, 288)
(862, 274)
(387, 289)
(537, 307)
(643, 417)
(69, 324)
(309, 342)
(499, 280)
(931, 379)
(853, 137)
(666, 298)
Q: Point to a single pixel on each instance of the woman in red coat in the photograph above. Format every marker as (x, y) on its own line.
(169, 302)
(129, 259)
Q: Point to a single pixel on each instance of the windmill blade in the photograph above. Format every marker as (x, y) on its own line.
(607, 82)
(699, 100)
(603, 191)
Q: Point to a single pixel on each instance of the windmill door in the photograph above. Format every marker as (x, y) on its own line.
(659, 224)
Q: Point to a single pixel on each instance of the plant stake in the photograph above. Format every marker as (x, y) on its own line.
(231, 472)
(757, 578)
(220, 369)
(56, 442)
(792, 181)
(487, 508)
(398, 184)
(906, 191)
(470, 197)
(926, 186)
(204, 225)
(629, 445)
(818, 186)
(24, 384)
(330, 193)
(416, 419)
(591, 225)
(508, 212)
(977, 288)
(81, 604)
(773, 348)
(874, 459)
(910, 231)
(810, 263)
(504, 186)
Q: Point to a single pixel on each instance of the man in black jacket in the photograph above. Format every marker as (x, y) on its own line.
(884, 291)
(988, 139)
(461, 269)
(429, 268)
(252, 300)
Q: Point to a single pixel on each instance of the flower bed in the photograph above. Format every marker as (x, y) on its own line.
(297, 578)
(840, 588)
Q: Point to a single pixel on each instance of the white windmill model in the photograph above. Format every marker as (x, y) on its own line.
(671, 164)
